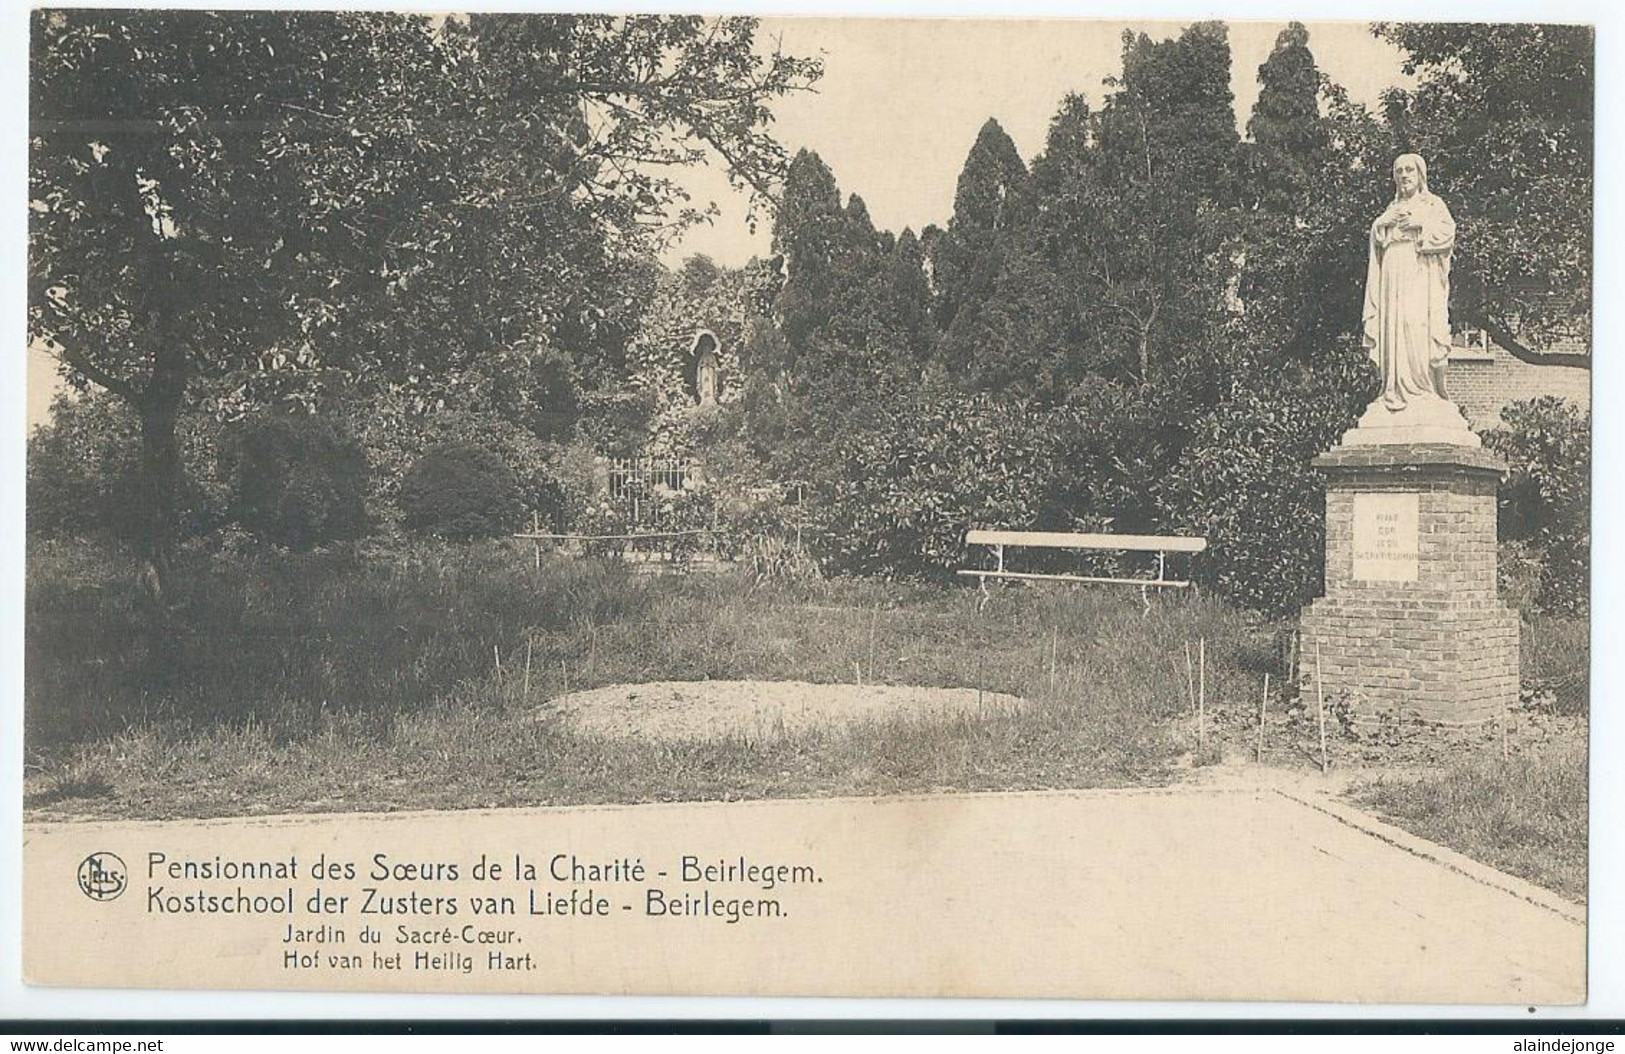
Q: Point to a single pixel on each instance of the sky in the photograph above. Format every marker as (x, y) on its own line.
(901, 101)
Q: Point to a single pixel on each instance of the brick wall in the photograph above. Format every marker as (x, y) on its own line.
(1456, 551)
(1483, 380)
(1441, 649)
(1435, 664)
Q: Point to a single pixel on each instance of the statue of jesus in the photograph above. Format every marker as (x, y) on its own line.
(1407, 291)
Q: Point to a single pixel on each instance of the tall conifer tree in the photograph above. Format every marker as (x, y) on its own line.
(1289, 137)
(1167, 158)
(992, 204)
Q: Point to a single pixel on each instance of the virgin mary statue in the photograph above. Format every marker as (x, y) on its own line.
(1406, 320)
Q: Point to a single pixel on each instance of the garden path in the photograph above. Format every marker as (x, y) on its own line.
(1246, 893)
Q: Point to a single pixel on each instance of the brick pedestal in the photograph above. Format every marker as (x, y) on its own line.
(1411, 623)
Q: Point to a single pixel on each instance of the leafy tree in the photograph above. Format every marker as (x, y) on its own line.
(699, 272)
(906, 298)
(861, 266)
(1047, 300)
(1066, 153)
(787, 360)
(1305, 240)
(1313, 184)
(1547, 445)
(879, 327)
(843, 341)
(1503, 113)
(253, 202)
(167, 155)
(74, 462)
(1014, 343)
(1171, 118)
(1032, 327)
(1295, 377)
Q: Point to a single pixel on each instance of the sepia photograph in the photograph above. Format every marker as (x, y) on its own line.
(740, 505)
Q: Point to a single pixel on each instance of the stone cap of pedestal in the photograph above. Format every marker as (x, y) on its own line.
(1416, 457)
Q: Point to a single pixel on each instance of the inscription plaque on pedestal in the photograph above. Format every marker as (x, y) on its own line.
(1386, 535)
(1411, 624)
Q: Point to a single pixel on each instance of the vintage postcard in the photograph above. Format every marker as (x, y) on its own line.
(754, 506)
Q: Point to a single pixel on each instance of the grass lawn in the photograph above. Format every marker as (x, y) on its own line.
(1525, 815)
(393, 679)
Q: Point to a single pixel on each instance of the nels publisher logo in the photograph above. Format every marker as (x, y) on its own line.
(102, 876)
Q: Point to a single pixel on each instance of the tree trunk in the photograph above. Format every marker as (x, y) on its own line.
(158, 494)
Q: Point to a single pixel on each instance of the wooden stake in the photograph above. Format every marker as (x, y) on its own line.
(1190, 677)
(1054, 647)
(536, 528)
(496, 655)
(857, 672)
(1320, 706)
(1263, 709)
(1201, 695)
(874, 618)
(526, 688)
(564, 671)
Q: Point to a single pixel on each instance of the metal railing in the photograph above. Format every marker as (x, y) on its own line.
(637, 476)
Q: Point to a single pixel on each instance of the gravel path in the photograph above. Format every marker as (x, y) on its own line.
(669, 710)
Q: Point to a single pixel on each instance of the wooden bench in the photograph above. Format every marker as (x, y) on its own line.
(1147, 543)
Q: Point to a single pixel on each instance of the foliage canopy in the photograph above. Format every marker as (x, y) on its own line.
(254, 208)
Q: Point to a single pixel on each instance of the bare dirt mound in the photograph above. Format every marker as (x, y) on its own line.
(673, 710)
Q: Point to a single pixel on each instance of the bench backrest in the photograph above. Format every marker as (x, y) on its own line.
(1056, 540)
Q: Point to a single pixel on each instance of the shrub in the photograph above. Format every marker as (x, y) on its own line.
(900, 488)
(617, 423)
(581, 474)
(1246, 483)
(396, 439)
(1265, 523)
(762, 527)
(460, 491)
(296, 481)
(1554, 653)
(75, 464)
(1546, 500)
(82, 469)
